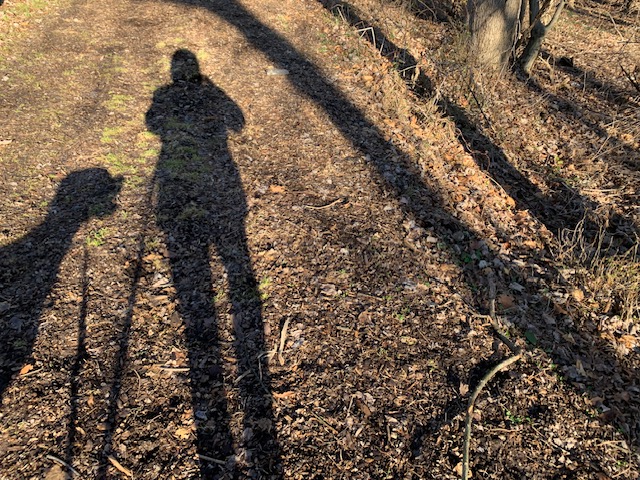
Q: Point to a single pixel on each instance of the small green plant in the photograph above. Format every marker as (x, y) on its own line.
(265, 283)
(516, 419)
(96, 238)
(151, 243)
(218, 297)
(402, 315)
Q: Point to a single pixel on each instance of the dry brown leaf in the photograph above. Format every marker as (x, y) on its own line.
(364, 408)
(26, 369)
(183, 433)
(506, 301)
(464, 389)
(279, 396)
(577, 294)
(56, 473)
(458, 470)
(277, 189)
(628, 341)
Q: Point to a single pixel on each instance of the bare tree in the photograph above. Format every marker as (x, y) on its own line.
(500, 28)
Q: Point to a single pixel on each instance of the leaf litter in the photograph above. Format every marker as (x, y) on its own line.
(373, 325)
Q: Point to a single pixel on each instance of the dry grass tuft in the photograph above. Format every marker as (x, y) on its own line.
(613, 279)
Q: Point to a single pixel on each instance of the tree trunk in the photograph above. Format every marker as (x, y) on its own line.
(538, 32)
(493, 25)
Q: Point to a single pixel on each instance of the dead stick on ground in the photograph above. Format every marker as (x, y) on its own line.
(467, 431)
(64, 464)
(490, 374)
(120, 467)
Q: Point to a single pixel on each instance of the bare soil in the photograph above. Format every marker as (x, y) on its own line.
(262, 239)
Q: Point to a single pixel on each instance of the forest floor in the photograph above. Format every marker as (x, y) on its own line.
(263, 239)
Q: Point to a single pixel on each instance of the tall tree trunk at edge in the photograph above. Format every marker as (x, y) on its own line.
(493, 25)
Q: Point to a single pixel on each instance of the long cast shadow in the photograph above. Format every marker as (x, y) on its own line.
(393, 167)
(201, 204)
(563, 209)
(29, 266)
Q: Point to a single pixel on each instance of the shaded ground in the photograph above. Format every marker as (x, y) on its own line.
(236, 244)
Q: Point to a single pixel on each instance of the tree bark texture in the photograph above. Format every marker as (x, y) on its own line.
(494, 25)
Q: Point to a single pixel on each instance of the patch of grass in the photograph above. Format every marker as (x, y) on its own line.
(28, 8)
(96, 238)
(97, 210)
(218, 297)
(145, 137)
(203, 55)
(150, 153)
(134, 181)
(192, 212)
(117, 164)
(118, 102)
(109, 134)
(151, 243)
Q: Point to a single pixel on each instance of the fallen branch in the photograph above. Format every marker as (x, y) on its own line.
(467, 430)
(490, 374)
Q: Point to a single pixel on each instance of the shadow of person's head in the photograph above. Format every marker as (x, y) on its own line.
(85, 194)
(185, 67)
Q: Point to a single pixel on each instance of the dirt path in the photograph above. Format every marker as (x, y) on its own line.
(220, 259)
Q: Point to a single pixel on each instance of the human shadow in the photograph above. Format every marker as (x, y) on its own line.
(399, 175)
(29, 266)
(201, 204)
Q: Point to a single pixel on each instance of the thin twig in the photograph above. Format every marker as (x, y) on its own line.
(64, 464)
(635, 83)
(324, 422)
(211, 459)
(120, 467)
(173, 369)
(283, 339)
(490, 374)
(313, 207)
(467, 431)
